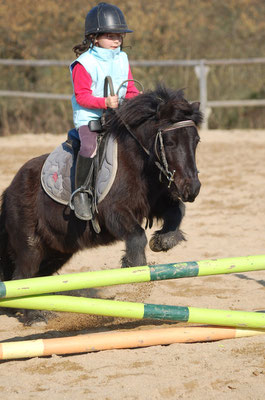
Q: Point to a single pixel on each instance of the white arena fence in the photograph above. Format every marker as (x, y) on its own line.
(201, 68)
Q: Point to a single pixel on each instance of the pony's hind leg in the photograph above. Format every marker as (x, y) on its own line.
(27, 260)
(170, 235)
(135, 249)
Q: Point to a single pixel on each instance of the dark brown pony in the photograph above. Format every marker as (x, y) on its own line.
(157, 138)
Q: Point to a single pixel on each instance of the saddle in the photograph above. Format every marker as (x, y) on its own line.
(58, 171)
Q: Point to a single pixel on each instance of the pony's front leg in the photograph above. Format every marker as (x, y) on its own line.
(170, 235)
(135, 249)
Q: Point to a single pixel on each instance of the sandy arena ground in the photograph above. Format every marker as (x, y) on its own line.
(226, 220)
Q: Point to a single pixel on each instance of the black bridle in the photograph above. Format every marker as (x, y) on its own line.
(160, 153)
(162, 164)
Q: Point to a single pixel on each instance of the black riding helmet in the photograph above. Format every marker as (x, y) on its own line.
(105, 18)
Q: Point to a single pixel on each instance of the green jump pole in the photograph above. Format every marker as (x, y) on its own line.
(242, 319)
(85, 280)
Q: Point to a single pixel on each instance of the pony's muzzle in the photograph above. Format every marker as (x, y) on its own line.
(189, 189)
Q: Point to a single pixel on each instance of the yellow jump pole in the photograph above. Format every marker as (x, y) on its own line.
(120, 340)
(147, 273)
(125, 309)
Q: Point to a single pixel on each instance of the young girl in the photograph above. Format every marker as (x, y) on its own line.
(99, 55)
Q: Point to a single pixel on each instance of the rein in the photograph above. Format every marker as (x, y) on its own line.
(162, 163)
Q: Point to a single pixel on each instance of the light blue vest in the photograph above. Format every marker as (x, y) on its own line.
(99, 63)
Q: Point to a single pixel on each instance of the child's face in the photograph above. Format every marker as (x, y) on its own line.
(109, 40)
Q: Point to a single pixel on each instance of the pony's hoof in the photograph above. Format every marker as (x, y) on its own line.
(161, 243)
(127, 263)
(36, 317)
(166, 241)
(155, 244)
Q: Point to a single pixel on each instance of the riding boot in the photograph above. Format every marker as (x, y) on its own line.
(82, 201)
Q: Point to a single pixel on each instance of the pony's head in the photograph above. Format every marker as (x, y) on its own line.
(164, 123)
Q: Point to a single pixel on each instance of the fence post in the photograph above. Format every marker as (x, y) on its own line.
(201, 71)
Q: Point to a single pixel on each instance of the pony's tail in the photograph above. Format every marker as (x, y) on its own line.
(5, 261)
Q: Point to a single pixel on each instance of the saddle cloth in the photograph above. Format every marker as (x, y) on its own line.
(58, 172)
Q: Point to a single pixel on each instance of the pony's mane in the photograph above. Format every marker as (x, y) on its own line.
(159, 107)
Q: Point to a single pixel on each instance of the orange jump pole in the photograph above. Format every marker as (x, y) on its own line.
(120, 340)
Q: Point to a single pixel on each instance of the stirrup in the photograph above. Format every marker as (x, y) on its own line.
(80, 189)
(82, 204)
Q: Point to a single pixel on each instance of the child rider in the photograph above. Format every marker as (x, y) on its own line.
(99, 55)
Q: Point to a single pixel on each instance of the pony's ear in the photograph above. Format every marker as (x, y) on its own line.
(164, 111)
(195, 106)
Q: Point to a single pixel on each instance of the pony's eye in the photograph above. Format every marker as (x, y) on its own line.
(170, 143)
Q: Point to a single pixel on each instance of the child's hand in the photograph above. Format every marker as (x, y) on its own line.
(112, 101)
